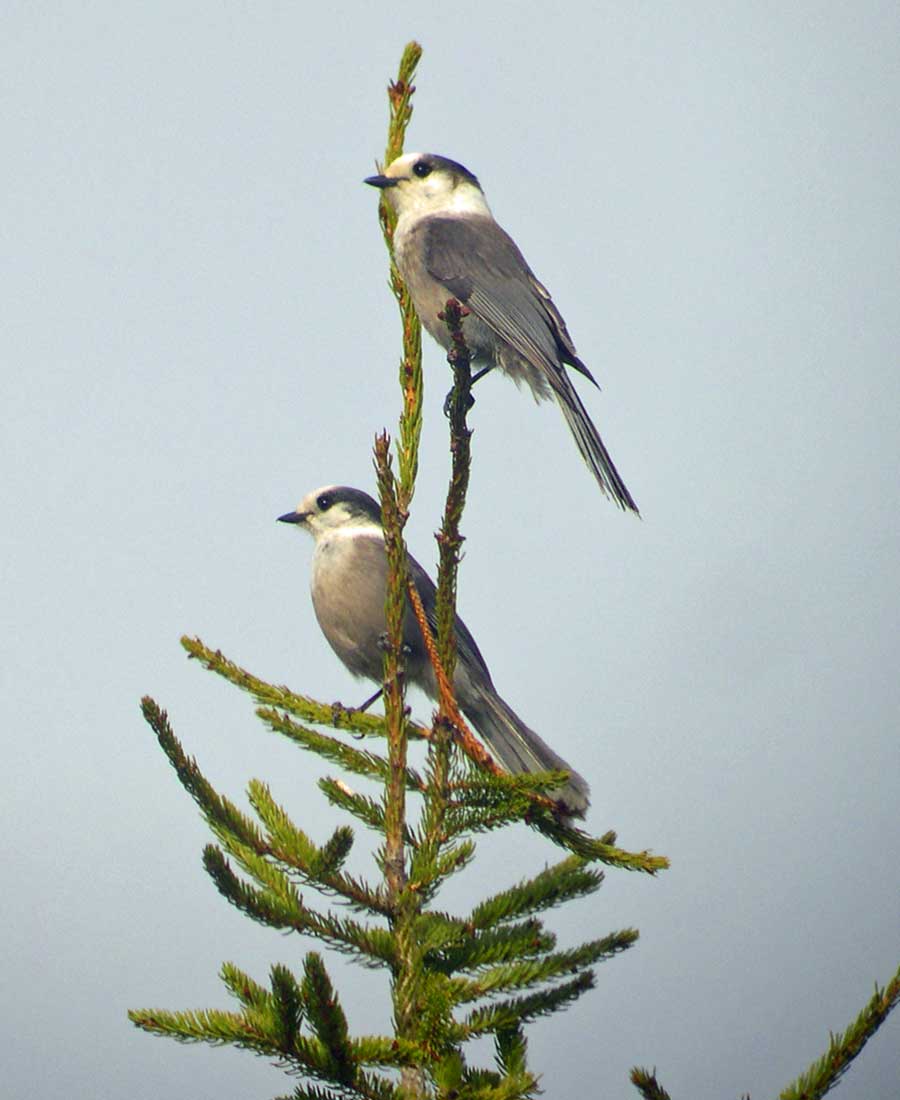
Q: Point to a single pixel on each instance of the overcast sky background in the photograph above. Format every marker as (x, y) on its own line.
(196, 330)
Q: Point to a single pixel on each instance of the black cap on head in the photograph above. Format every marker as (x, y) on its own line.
(356, 502)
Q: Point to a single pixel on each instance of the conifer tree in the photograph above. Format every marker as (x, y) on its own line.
(453, 977)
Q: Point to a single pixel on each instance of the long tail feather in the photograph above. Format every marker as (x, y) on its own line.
(519, 749)
(591, 446)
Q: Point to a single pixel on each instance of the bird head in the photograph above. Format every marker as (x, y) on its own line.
(335, 507)
(419, 184)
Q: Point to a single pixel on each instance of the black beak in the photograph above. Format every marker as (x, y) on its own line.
(292, 517)
(380, 182)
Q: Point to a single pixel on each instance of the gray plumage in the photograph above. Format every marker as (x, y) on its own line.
(349, 577)
(448, 245)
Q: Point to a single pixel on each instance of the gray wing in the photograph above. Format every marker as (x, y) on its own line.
(515, 746)
(481, 265)
(467, 651)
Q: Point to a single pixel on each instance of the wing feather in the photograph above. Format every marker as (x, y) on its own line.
(467, 651)
(481, 265)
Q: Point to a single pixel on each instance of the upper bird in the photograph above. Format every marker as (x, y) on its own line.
(349, 580)
(447, 245)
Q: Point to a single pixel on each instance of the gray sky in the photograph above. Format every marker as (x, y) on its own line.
(196, 330)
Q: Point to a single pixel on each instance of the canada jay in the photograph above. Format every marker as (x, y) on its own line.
(447, 245)
(349, 577)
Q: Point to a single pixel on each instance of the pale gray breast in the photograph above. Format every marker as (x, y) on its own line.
(348, 585)
(349, 578)
(428, 295)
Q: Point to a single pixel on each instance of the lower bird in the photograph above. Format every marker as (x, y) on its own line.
(349, 578)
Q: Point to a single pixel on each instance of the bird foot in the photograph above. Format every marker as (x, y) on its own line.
(384, 644)
(448, 402)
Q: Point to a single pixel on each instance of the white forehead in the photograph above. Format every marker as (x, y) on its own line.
(308, 504)
(402, 166)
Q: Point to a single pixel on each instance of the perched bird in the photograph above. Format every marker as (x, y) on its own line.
(349, 578)
(447, 245)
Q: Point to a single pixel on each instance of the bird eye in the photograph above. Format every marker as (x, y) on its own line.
(422, 169)
(324, 501)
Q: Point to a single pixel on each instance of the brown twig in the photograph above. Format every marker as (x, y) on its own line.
(394, 709)
(467, 741)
